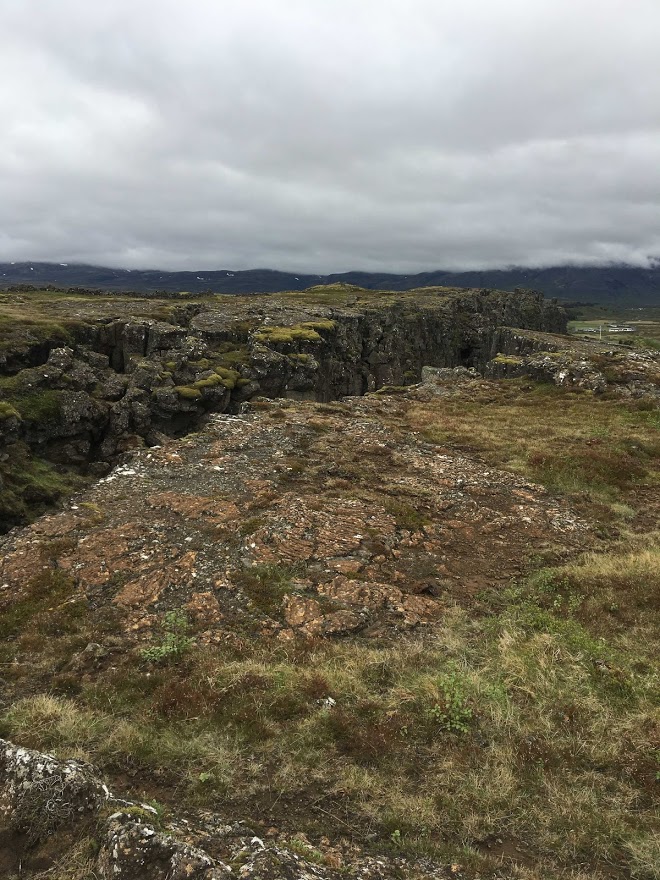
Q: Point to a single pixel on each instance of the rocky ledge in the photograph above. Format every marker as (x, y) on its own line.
(85, 379)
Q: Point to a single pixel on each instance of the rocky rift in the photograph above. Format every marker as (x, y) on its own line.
(89, 377)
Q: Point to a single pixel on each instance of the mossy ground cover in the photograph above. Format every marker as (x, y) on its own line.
(30, 485)
(7, 411)
(528, 715)
(221, 376)
(39, 406)
(19, 331)
(40, 320)
(287, 335)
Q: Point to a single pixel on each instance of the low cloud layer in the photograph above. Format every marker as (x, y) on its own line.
(329, 135)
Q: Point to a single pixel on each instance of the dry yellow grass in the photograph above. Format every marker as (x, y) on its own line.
(570, 442)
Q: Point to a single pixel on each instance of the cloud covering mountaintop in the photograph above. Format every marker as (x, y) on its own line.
(328, 135)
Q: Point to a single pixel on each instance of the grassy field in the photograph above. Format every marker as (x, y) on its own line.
(529, 717)
(645, 321)
(592, 448)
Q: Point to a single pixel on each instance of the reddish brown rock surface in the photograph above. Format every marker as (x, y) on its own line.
(294, 518)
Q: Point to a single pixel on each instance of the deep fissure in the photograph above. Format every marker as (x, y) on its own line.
(124, 382)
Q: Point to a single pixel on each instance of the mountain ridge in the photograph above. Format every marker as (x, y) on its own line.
(619, 285)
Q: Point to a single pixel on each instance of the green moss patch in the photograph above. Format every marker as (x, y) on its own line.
(30, 485)
(305, 332)
(506, 359)
(322, 324)
(32, 404)
(7, 411)
(39, 406)
(48, 588)
(299, 357)
(392, 389)
(188, 392)
(231, 357)
(227, 377)
(209, 382)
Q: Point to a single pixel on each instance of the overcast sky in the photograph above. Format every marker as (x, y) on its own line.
(329, 135)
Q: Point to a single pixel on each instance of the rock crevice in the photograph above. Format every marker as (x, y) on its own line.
(127, 380)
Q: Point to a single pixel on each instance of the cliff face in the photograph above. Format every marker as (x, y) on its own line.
(88, 378)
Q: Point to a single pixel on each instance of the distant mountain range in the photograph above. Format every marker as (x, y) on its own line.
(611, 285)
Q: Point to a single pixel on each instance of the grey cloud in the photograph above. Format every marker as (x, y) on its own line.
(327, 135)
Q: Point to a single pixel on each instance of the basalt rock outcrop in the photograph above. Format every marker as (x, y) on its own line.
(85, 378)
(133, 371)
(571, 363)
(43, 798)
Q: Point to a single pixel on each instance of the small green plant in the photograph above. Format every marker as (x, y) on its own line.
(302, 847)
(176, 642)
(395, 837)
(453, 713)
(266, 585)
(406, 516)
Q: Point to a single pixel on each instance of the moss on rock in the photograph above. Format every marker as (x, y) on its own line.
(188, 392)
(7, 411)
(287, 335)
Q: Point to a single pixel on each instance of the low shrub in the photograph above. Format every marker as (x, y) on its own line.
(176, 642)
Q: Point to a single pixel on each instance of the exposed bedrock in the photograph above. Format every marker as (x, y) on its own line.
(124, 381)
(44, 799)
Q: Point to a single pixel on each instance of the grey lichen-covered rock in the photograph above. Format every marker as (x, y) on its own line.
(456, 375)
(273, 863)
(39, 793)
(42, 797)
(133, 850)
(260, 862)
(563, 368)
